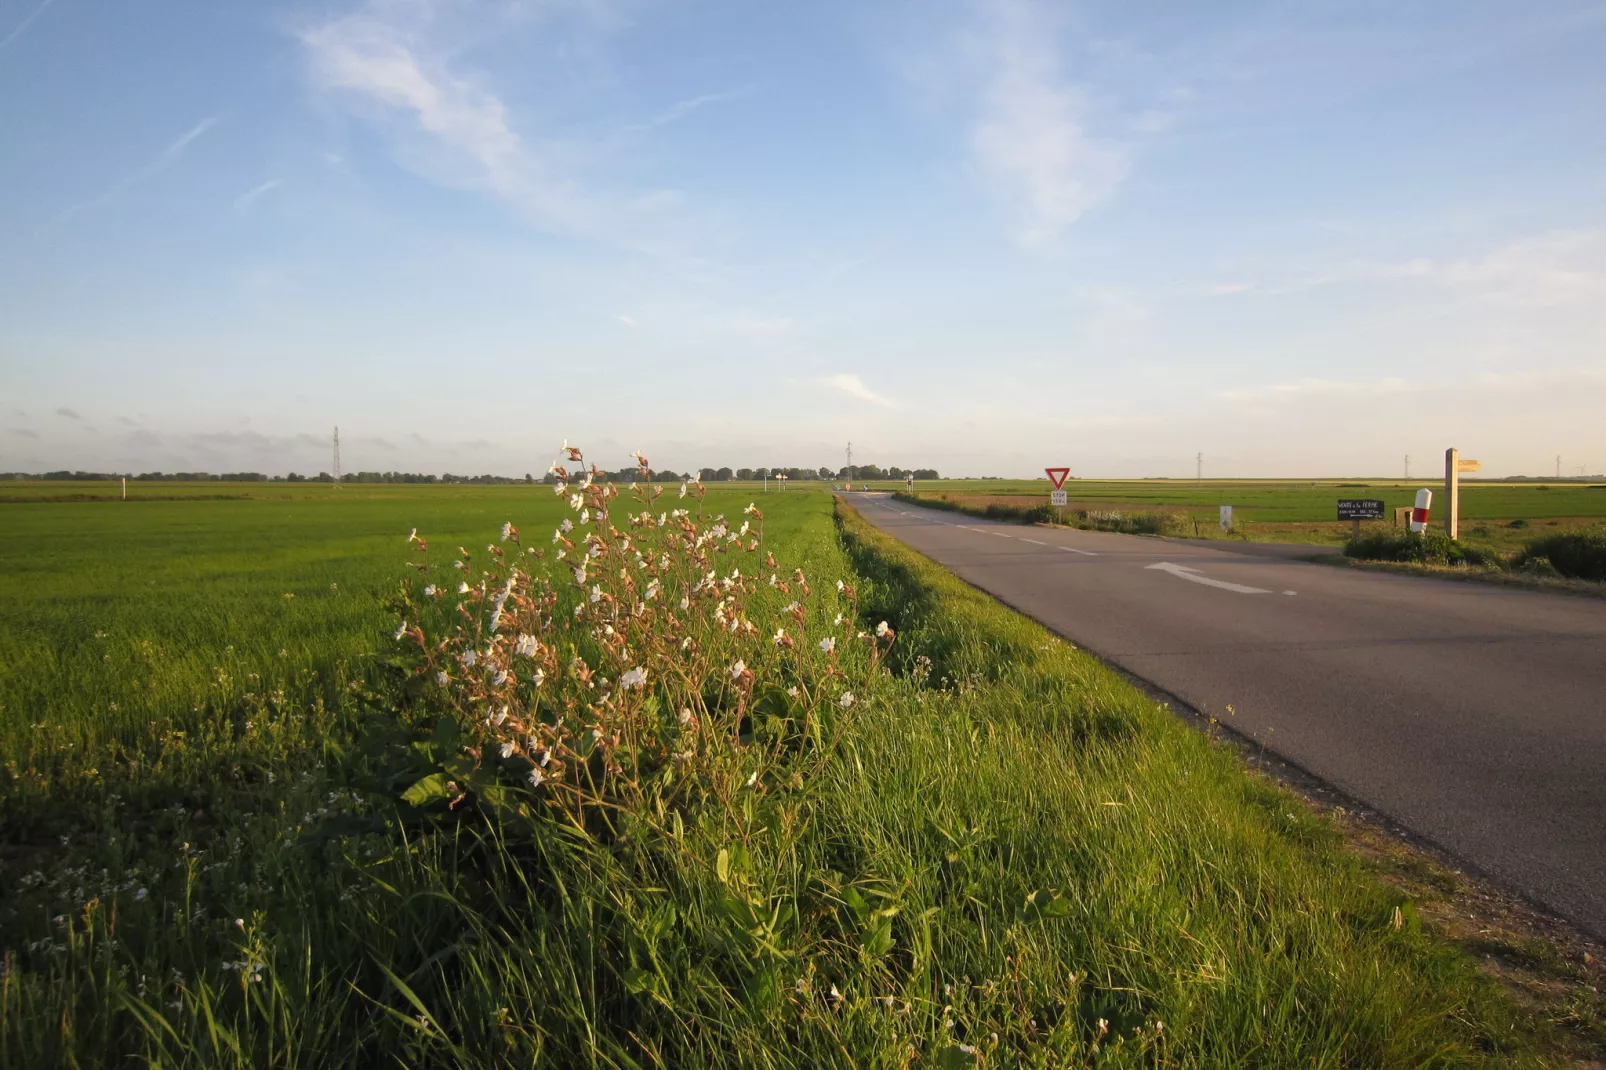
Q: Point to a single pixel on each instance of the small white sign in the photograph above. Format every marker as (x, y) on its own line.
(1057, 497)
(1226, 518)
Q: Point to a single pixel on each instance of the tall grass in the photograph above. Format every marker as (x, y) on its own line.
(998, 853)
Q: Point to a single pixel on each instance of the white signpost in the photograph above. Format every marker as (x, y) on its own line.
(1226, 518)
(1058, 498)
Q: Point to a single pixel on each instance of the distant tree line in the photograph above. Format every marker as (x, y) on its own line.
(623, 475)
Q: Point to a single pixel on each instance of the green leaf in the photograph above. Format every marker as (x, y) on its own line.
(431, 789)
(638, 980)
(1045, 905)
(956, 1057)
(447, 735)
(878, 937)
(856, 903)
(722, 866)
(763, 990)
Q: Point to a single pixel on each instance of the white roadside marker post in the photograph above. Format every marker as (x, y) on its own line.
(1419, 514)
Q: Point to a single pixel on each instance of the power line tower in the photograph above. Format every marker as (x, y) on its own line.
(1198, 468)
(1558, 466)
(335, 465)
(850, 464)
(1407, 466)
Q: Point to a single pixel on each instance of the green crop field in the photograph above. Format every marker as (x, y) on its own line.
(1496, 516)
(273, 795)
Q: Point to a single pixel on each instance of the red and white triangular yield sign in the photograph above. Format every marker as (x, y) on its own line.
(1058, 475)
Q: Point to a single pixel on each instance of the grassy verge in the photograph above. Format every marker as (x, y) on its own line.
(999, 854)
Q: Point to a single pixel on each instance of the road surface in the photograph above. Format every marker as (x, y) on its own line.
(1473, 715)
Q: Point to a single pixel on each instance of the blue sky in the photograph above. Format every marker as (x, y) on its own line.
(1302, 238)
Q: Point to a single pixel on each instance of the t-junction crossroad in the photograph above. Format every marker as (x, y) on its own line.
(1473, 715)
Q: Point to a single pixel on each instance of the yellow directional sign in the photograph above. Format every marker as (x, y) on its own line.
(1468, 466)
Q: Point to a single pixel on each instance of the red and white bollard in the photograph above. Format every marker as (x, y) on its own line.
(1419, 515)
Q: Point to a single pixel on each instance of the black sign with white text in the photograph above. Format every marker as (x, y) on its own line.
(1360, 509)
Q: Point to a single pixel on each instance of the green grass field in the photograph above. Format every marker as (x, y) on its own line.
(995, 852)
(1496, 516)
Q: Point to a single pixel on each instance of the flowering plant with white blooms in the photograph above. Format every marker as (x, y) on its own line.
(647, 646)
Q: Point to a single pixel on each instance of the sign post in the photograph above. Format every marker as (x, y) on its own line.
(1226, 518)
(1453, 467)
(1356, 510)
(1056, 497)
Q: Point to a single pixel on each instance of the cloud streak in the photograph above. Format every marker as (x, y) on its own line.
(376, 57)
(854, 387)
(22, 26)
(162, 161)
(245, 199)
(1030, 138)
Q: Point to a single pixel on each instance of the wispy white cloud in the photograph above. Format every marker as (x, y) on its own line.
(250, 195)
(394, 57)
(627, 321)
(1545, 270)
(161, 162)
(1550, 269)
(681, 109)
(1030, 136)
(854, 387)
(22, 26)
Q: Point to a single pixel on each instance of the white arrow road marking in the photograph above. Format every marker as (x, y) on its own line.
(1193, 576)
(1074, 550)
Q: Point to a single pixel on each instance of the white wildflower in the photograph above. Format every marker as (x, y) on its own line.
(881, 629)
(737, 669)
(575, 501)
(402, 630)
(846, 700)
(507, 750)
(538, 677)
(536, 776)
(828, 644)
(596, 593)
(839, 586)
(683, 490)
(636, 677)
(468, 659)
(507, 531)
(442, 679)
(462, 588)
(652, 591)
(526, 645)
(430, 591)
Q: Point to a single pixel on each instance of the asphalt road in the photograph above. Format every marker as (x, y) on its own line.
(1473, 715)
